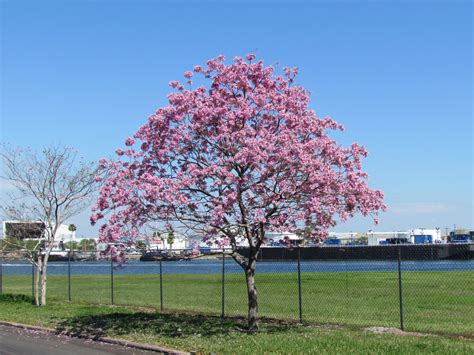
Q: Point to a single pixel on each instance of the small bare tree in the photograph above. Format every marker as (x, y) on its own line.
(48, 188)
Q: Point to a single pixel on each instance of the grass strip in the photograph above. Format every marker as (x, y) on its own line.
(439, 302)
(201, 333)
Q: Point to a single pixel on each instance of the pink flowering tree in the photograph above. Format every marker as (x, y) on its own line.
(233, 159)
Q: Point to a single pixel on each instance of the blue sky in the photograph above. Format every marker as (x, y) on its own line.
(398, 75)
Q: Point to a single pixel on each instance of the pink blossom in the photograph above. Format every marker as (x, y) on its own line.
(244, 154)
(188, 74)
(174, 84)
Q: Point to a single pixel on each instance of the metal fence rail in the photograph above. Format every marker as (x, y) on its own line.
(427, 289)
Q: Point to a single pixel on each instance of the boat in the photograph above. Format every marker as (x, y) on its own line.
(162, 255)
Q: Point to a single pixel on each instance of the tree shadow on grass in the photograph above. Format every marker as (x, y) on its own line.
(16, 298)
(161, 325)
(168, 324)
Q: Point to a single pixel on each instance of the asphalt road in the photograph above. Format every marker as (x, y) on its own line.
(20, 341)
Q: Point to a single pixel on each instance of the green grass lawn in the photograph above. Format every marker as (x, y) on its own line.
(439, 302)
(213, 335)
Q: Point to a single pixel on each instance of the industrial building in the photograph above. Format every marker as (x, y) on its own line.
(35, 230)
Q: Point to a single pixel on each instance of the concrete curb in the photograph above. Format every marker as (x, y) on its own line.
(107, 340)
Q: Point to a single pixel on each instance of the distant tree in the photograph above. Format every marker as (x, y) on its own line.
(170, 238)
(87, 244)
(140, 245)
(362, 239)
(234, 159)
(71, 245)
(72, 228)
(49, 187)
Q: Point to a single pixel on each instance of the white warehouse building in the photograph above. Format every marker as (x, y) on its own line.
(424, 236)
(413, 236)
(378, 238)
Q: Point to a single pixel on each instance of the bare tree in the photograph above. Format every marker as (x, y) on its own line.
(49, 188)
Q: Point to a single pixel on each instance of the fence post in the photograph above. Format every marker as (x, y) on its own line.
(299, 286)
(1, 278)
(400, 289)
(223, 284)
(161, 287)
(111, 279)
(69, 275)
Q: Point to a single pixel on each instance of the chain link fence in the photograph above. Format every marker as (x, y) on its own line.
(426, 288)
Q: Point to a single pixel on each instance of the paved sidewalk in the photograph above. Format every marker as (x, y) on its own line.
(21, 341)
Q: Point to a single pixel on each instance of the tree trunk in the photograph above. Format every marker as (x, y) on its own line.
(43, 281)
(39, 268)
(249, 266)
(42, 277)
(252, 297)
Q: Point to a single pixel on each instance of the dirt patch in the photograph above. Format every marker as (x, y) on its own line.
(394, 331)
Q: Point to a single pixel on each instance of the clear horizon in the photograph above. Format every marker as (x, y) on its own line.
(397, 76)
